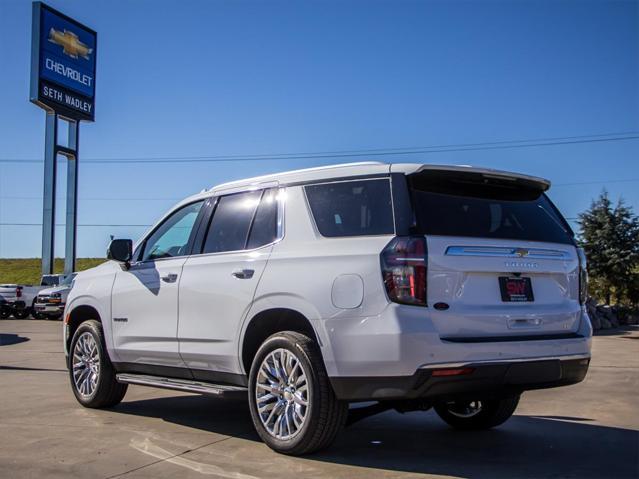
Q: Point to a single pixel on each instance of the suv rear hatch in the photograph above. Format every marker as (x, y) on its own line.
(502, 262)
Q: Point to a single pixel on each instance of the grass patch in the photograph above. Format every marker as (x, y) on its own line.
(28, 270)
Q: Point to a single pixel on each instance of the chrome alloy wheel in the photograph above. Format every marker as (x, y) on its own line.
(464, 409)
(281, 394)
(86, 364)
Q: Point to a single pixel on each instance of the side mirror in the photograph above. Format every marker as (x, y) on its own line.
(120, 250)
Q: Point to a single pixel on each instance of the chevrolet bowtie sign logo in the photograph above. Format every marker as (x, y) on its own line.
(521, 252)
(70, 44)
(63, 60)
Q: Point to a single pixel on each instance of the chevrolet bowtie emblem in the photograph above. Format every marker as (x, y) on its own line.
(521, 252)
(70, 43)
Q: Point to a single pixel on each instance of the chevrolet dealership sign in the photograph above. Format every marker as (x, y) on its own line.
(62, 64)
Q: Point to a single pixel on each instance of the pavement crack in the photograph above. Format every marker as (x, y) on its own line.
(165, 459)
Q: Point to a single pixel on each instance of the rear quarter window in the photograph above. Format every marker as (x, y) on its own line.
(352, 208)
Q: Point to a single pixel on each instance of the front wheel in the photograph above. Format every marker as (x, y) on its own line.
(477, 414)
(293, 407)
(91, 372)
(37, 314)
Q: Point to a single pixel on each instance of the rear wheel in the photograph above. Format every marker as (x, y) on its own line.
(91, 372)
(5, 312)
(477, 414)
(292, 403)
(21, 313)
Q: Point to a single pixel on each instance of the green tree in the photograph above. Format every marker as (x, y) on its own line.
(610, 238)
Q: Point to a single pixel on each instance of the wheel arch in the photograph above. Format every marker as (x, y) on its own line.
(268, 322)
(75, 317)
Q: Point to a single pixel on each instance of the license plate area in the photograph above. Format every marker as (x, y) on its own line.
(515, 289)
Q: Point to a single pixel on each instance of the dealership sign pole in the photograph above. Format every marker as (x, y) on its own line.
(63, 61)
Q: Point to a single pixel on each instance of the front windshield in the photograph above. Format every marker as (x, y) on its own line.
(67, 279)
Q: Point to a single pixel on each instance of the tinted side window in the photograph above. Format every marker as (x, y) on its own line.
(172, 237)
(231, 221)
(352, 208)
(264, 228)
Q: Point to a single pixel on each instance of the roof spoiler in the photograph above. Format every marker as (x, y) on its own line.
(534, 182)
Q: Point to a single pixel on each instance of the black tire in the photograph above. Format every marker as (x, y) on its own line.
(21, 313)
(5, 312)
(107, 391)
(493, 412)
(324, 416)
(36, 314)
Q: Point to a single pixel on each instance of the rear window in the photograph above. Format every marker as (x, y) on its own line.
(231, 221)
(352, 208)
(486, 210)
(264, 228)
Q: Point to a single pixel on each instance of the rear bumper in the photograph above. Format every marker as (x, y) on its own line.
(485, 379)
(17, 305)
(403, 339)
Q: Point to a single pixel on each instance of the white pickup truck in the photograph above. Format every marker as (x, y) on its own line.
(50, 302)
(19, 300)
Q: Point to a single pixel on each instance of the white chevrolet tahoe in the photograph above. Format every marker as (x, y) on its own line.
(410, 286)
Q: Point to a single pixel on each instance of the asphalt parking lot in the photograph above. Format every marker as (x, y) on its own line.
(587, 430)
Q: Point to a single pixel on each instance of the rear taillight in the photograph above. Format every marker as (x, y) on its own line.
(583, 276)
(19, 292)
(404, 267)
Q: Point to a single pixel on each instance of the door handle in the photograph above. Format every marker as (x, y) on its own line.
(243, 273)
(170, 278)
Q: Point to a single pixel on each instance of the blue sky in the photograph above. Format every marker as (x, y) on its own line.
(208, 78)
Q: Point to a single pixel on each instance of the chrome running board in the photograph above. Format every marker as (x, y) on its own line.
(217, 390)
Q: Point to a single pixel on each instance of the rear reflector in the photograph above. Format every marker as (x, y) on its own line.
(452, 372)
(583, 276)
